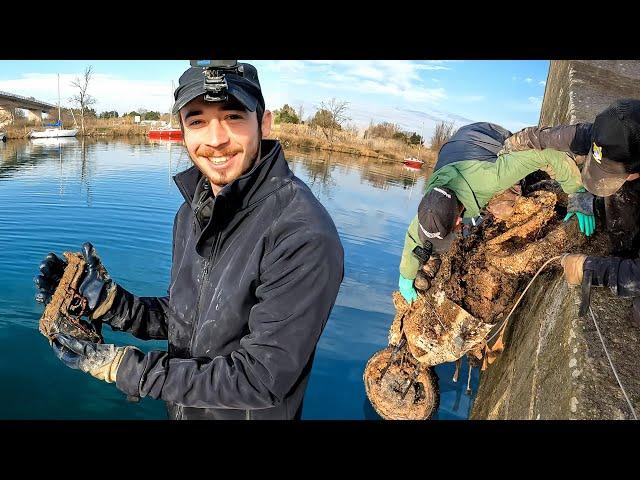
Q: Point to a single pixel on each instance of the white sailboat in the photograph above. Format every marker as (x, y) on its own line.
(57, 130)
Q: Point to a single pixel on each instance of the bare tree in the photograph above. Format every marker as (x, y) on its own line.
(82, 99)
(443, 132)
(336, 113)
(300, 112)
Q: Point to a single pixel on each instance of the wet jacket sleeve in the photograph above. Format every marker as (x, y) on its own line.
(409, 264)
(300, 278)
(565, 138)
(513, 167)
(143, 317)
(622, 276)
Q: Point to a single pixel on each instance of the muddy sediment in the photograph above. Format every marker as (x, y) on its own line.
(481, 277)
(486, 271)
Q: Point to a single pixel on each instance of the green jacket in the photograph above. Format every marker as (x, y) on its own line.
(475, 182)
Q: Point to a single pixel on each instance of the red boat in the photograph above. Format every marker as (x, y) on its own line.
(413, 162)
(166, 133)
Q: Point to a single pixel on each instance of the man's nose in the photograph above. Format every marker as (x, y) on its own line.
(216, 134)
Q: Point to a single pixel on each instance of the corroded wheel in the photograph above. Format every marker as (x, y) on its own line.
(405, 374)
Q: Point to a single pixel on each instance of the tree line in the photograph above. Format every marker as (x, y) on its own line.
(332, 117)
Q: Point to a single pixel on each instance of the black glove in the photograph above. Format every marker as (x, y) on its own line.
(96, 286)
(51, 270)
(97, 359)
(96, 282)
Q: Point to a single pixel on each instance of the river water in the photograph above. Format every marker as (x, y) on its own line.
(119, 194)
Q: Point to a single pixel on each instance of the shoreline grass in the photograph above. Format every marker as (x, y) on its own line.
(297, 135)
(290, 135)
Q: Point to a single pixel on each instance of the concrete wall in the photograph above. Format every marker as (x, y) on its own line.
(554, 365)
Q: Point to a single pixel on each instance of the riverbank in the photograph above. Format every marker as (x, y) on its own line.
(296, 135)
(290, 135)
(97, 129)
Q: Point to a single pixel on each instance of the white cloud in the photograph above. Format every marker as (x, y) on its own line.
(471, 98)
(286, 66)
(542, 83)
(528, 79)
(399, 78)
(431, 67)
(110, 91)
(367, 71)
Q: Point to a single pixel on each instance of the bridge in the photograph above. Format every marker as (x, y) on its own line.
(10, 101)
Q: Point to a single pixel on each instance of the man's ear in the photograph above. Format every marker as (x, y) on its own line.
(267, 119)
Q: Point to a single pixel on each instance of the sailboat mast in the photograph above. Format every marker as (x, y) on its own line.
(59, 124)
(171, 108)
(421, 139)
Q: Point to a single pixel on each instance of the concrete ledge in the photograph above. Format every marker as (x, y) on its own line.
(554, 366)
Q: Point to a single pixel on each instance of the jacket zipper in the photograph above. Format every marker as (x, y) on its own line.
(207, 265)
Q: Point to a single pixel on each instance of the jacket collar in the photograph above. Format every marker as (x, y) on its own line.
(267, 175)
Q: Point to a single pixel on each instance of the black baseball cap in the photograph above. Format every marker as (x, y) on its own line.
(615, 148)
(245, 87)
(437, 215)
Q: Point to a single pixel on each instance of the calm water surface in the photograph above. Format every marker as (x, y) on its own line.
(55, 195)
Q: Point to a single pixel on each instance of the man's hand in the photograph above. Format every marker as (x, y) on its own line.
(99, 360)
(97, 287)
(581, 204)
(406, 289)
(573, 264)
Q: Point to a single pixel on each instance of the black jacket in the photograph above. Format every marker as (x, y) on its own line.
(575, 139)
(476, 141)
(250, 294)
(622, 276)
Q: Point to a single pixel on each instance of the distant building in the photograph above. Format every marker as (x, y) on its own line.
(154, 123)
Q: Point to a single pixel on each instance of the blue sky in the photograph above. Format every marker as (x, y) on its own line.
(414, 94)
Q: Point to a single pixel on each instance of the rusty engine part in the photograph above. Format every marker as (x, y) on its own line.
(422, 281)
(63, 313)
(399, 387)
(431, 267)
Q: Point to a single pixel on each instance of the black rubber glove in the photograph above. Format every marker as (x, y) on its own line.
(96, 286)
(51, 270)
(96, 282)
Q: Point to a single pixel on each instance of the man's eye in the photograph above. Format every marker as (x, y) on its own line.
(234, 116)
(195, 123)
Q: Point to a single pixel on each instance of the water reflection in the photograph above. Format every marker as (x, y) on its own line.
(119, 195)
(320, 166)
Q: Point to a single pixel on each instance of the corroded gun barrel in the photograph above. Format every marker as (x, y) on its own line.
(63, 313)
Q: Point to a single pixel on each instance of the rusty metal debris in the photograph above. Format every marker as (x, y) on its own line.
(476, 284)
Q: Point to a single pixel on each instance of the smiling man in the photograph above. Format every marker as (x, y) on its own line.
(257, 264)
